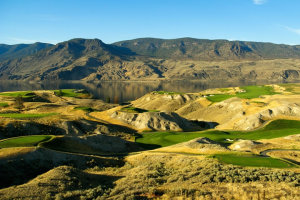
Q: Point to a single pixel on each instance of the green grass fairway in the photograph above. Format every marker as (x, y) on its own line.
(277, 128)
(67, 93)
(250, 93)
(24, 141)
(252, 161)
(219, 97)
(23, 94)
(255, 92)
(130, 109)
(25, 115)
(3, 104)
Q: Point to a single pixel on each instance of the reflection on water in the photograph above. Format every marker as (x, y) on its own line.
(119, 92)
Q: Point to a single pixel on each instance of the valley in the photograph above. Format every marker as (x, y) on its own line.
(241, 139)
(149, 100)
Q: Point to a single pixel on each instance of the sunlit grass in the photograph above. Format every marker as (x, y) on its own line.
(250, 93)
(3, 104)
(26, 115)
(252, 161)
(24, 141)
(23, 94)
(277, 128)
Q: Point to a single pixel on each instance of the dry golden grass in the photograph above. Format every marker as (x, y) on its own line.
(195, 146)
(12, 152)
(234, 113)
(58, 183)
(292, 155)
(203, 102)
(175, 172)
(105, 116)
(229, 90)
(251, 110)
(160, 176)
(177, 176)
(288, 142)
(188, 150)
(254, 191)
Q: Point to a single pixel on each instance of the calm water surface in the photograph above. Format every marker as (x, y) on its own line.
(119, 92)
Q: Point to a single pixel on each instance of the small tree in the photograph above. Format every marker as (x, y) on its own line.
(19, 103)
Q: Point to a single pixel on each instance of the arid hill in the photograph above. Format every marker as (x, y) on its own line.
(151, 59)
(164, 145)
(243, 113)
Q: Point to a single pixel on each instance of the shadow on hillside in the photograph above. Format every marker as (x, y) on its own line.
(93, 145)
(22, 128)
(22, 168)
(148, 146)
(205, 124)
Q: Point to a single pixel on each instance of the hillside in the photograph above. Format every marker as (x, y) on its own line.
(152, 59)
(63, 144)
(72, 60)
(20, 50)
(199, 49)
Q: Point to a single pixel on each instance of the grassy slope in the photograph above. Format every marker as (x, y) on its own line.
(250, 93)
(24, 141)
(26, 115)
(130, 109)
(3, 104)
(23, 94)
(167, 92)
(277, 128)
(252, 161)
(219, 97)
(68, 93)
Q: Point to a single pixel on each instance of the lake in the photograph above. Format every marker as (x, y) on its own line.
(121, 91)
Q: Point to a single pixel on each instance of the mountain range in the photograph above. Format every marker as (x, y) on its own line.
(150, 59)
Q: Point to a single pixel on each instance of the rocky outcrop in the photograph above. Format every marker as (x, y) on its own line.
(21, 128)
(258, 119)
(156, 121)
(244, 145)
(164, 101)
(202, 143)
(69, 127)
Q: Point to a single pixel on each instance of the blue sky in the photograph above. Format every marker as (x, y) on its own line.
(53, 21)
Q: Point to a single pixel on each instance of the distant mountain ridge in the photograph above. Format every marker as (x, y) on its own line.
(150, 59)
(20, 50)
(190, 48)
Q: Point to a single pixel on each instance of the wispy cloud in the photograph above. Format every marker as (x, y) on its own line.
(294, 30)
(259, 2)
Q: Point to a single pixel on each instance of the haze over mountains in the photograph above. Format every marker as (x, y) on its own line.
(150, 59)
